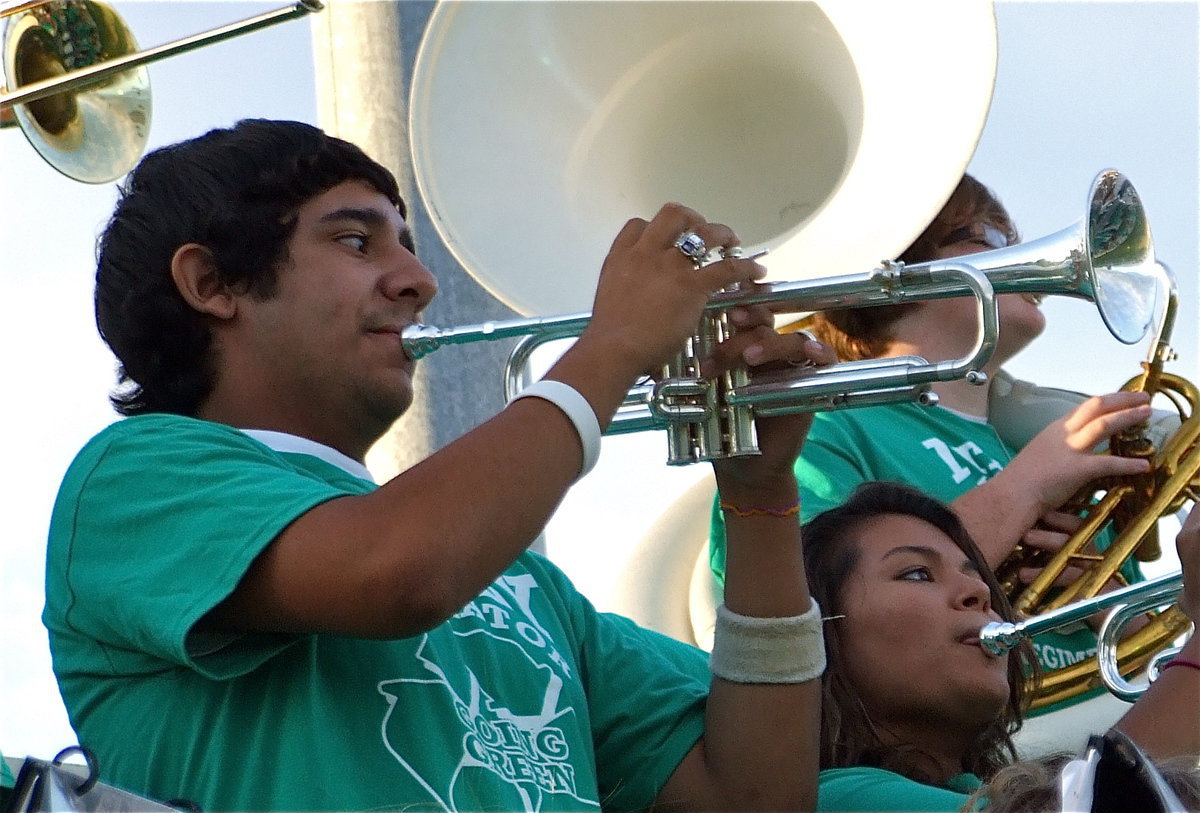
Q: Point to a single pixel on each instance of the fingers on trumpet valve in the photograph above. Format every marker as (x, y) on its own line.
(717, 258)
(757, 344)
(816, 352)
(703, 244)
(802, 349)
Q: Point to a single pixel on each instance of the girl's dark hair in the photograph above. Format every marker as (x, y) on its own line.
(235, 191)
(849, 737)
(861, 333)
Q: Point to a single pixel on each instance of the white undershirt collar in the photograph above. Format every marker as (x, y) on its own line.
(283, 442)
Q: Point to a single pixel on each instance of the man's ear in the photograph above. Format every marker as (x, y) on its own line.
(196, 278)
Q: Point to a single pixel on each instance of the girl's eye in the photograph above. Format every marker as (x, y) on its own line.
(920, 573)
(358, 242)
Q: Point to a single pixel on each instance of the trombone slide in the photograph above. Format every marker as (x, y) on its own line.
(92, 74)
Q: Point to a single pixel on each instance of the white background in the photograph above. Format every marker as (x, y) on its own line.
(1080, 87)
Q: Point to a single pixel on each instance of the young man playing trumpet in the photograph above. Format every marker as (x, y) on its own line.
(240, 617)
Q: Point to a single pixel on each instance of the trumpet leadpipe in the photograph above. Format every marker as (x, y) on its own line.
(998, 637)
(419, 340)
(890, 284)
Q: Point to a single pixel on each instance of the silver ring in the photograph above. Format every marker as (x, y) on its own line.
(807, 362)
(692, 246)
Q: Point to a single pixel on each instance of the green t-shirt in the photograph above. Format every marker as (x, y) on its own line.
(527, 699)
(842, 790)
(7, 781)
(940, 452)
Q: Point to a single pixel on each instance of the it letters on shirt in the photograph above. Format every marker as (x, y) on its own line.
(966, 461)
(514, 735)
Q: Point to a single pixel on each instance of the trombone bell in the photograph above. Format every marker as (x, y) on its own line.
(93, 136)
(78, 88)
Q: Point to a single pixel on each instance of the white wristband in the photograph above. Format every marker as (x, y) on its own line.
(575, 407)
(768, 650)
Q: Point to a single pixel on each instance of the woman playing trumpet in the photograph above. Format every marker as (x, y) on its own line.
(915, 714)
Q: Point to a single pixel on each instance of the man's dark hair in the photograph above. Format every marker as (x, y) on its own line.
(849, 737)
(235, 191)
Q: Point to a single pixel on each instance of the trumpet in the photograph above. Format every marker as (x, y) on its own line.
(1133, 507)
(999, 637)
(1106, 258)
(713, 419)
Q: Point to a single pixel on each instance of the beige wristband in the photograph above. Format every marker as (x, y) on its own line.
(768, 650)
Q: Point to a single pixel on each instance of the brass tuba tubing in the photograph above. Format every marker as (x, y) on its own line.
(102, 70)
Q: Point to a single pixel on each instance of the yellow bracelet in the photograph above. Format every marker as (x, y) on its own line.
(790, 511)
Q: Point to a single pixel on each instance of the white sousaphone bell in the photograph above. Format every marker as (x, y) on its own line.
(539, 128)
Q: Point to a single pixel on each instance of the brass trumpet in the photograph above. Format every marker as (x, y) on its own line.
(1133, 505)
(1107, 258)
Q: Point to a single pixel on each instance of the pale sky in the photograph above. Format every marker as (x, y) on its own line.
(1081, 86)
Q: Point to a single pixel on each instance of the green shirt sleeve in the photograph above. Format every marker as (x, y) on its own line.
(7, 780)
(147, 507)
(873, 789)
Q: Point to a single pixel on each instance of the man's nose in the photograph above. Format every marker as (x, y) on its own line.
(409, 278)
